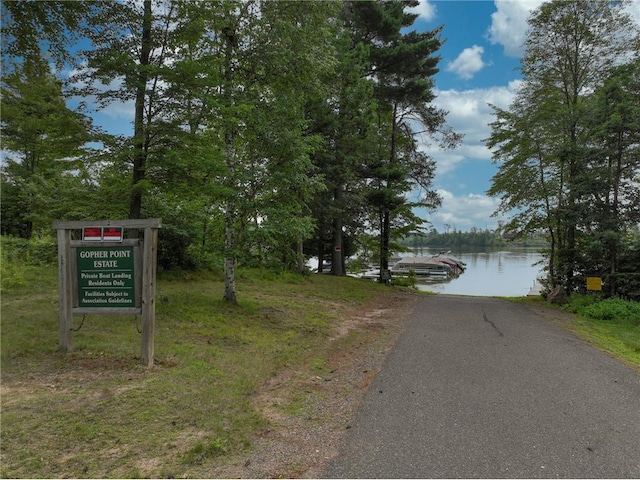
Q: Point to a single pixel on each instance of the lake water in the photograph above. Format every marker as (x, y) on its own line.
(505, 273)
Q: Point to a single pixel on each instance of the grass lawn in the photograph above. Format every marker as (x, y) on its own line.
(618, 338)
(96, 412)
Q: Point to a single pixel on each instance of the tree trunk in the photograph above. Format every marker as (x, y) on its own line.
(300, 256)
(321, 246)
(230, 226)
(140, 150)
(229, 257)
(385, 230)
(552, 257)
(384, 246)
(337, 262)
(573, 204)
(615, 216)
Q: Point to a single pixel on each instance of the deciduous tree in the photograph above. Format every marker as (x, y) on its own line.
(545, 141)
(43, 141)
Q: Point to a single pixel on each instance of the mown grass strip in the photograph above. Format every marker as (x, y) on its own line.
(95, 412)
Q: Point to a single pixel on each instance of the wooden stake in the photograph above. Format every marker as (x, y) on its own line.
(150, 253)
(65, 295)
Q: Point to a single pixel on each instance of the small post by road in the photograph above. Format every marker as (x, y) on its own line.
(107, 274)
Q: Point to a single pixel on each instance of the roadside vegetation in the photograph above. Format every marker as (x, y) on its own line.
(610, 324)
(96, 412)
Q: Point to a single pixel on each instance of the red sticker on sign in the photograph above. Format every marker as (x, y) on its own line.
(92, 234)
(112, 234)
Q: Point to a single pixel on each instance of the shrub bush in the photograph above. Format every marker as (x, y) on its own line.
(19, 254)
(36, 251)
(577, 303)
(42, 251)
(409, 281)
(614, 309)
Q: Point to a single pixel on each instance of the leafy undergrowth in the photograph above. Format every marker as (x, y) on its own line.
(96, 412)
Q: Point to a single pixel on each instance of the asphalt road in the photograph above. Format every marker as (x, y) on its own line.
(485, 388)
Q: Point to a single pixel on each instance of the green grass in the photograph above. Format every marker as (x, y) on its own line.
(96, 412)
(619, 340)
(612, 325)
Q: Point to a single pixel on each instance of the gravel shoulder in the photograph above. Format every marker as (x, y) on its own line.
(310, 414)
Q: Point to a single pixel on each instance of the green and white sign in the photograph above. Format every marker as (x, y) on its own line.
(102, 272)
(106, 277)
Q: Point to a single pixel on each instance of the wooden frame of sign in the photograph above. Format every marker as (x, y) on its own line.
(128, 290)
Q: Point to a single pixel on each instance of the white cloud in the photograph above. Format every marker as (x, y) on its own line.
(634, 10)
(509, 24)
(469, 113)
(469, 109)
(465, 211)
(116, 109)
(120, 110)
(468, 63)
(425, 10)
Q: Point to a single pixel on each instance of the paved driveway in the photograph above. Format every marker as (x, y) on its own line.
(485, 388)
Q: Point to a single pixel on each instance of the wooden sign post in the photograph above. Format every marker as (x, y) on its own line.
(105, 273)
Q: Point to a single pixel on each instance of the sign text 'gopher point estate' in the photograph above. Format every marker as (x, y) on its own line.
(105, 273)
(106, 277)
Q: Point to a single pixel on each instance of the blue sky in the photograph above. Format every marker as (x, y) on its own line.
(479, 66)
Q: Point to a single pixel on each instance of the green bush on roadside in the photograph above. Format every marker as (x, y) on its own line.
(577, 303)
(409, 281)
(612, 324)
(614, 309)
(34, 252)
(19, 254)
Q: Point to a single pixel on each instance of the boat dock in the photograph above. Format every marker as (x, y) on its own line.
(535, 290)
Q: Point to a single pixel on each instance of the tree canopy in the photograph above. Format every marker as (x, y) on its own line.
(262, 131)
(567, 148)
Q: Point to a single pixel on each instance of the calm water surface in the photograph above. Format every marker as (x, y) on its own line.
(505, 273)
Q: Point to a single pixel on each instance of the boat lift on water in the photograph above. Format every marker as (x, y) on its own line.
(442, 264)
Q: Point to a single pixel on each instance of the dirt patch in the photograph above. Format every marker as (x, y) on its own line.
(308, 409)
(555, 315)
(69, 374)
(310, 413)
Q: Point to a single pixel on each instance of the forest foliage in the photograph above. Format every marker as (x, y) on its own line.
(475, 237)
(568, 147)
(263, 131)
(266, 132)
